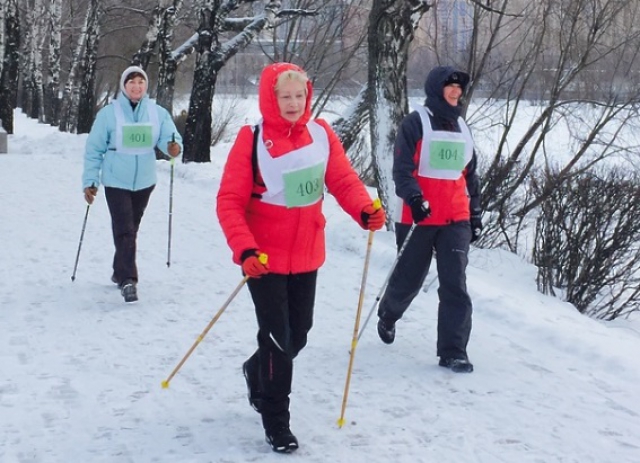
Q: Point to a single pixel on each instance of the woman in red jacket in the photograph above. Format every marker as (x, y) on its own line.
(270, 202)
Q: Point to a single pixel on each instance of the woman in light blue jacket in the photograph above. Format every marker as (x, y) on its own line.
(120, 155)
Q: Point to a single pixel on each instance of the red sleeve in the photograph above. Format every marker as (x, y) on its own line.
(234, 194)
(342, 180)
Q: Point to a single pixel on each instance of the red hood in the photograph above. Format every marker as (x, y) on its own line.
(272, 119)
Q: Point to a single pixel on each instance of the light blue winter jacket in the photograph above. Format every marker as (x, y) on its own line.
(103, 164)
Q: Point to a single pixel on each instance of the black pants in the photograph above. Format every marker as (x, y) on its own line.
(451, 244)
(126, 208)
(284, 310)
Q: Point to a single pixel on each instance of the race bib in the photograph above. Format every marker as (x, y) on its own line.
(137, 136)
(304, 186)
(447, 155)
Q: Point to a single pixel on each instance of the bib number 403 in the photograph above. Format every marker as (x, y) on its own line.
(304, 186)
(309, 188)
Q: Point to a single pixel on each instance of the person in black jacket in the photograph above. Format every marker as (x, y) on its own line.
(434, 172)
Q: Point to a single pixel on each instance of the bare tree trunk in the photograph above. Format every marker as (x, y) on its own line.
(168, 64)
(391, 30)
(167, 83)
(87, 105)
(37, 65)
(197, 137)
(143, 55)
(3, 12)
(28, 94)
(9, 76)
(69, 105)
(51, 100)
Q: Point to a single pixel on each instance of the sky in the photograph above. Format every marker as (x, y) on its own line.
(81, 371)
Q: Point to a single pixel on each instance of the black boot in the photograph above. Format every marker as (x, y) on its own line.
(252, 380)
(387, 330)
(281, 439)
(456, 365)
(129, 291)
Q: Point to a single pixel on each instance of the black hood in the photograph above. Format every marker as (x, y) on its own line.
(436, 80)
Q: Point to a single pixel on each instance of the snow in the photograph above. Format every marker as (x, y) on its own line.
(82, 371)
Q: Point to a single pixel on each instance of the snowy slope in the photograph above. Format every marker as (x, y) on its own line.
(81, 371)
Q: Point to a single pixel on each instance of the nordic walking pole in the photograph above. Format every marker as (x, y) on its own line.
(354, 341)
(386, 282)
(165, 384)
(173, 163)
(84, 226)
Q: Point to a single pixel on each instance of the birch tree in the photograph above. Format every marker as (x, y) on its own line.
(51, 101)
(3, 12)
(71, 94)
(38, 77)
(168, 60)
(144, 53)
(32, 61)
(10, 61)
(87, 95)
(391, 30)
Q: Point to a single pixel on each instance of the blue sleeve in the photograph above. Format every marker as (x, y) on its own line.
(167, 130)
(95, 148)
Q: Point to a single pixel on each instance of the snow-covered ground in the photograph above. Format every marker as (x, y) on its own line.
(80, 370)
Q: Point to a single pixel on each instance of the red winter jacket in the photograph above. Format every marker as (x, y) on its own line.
(293, 238)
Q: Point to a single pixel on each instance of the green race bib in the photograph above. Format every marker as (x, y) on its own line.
(303, 187)
(446, 155)
(137, 136)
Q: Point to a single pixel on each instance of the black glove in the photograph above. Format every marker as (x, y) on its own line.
(476, 226)
(420, 209)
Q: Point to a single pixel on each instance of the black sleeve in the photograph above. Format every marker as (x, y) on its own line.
(404, 150)
(473, 185)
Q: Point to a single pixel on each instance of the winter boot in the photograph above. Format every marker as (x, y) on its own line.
(115, 281)
(387, 330)
(281, 439)
(129, 291)
(456, 365)
(253, 392)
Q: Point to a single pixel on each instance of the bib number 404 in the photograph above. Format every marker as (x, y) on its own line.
(448, 154)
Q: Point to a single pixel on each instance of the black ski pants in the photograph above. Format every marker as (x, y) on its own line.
(127, 208)
(284, 310)
(451, 244)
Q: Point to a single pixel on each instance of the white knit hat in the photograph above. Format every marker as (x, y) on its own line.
(127, 72)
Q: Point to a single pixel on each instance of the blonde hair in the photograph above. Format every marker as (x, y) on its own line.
(293, 76)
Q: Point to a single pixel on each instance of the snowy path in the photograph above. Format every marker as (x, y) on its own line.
(81, 370)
